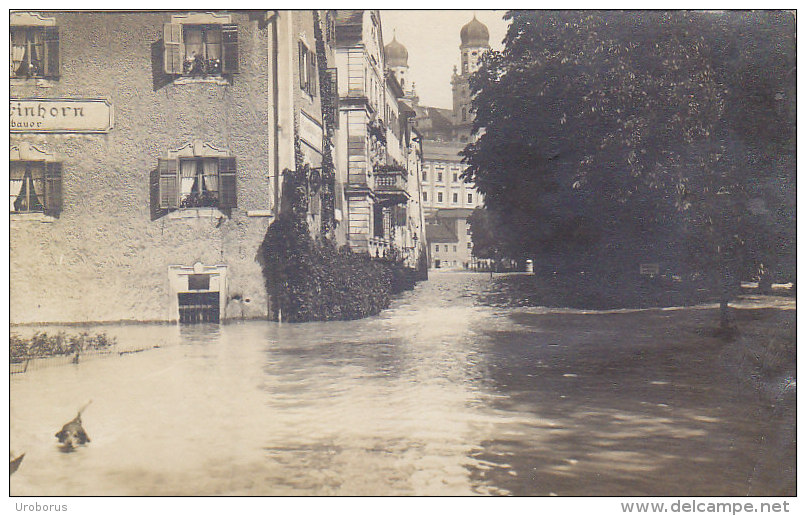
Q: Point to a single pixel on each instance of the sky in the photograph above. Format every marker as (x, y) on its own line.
(432, 39)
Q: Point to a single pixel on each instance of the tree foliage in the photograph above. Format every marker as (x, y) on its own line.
(605, 135)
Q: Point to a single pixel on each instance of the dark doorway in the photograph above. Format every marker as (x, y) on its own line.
(198, 307)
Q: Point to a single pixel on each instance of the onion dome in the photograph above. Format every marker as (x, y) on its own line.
(475, 34)
(396, 54)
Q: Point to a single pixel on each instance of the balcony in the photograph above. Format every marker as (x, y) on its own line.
(391, 183)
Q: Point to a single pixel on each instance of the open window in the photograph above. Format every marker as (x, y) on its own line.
(197, 176)
(200, 49)
(35, 181)
(34, 51)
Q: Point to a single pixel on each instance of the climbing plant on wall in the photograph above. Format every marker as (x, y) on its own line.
(328, 174)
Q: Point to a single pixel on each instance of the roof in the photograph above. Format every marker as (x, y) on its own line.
(349, 27)
(396, 53)
(475, 34)
(454, 213)
(439, 233)
(442, 151)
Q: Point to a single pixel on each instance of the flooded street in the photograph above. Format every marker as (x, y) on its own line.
(439, 395)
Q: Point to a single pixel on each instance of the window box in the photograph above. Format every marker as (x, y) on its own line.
(198, 182)
(196, 176)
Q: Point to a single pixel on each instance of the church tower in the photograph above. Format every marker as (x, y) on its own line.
(475, 42)
(397, 59)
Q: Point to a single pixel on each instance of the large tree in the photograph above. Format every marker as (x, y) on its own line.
(612, 134)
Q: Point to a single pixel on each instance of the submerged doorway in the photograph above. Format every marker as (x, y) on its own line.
(198, 293)
(199, 307)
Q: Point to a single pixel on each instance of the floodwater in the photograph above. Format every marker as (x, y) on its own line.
(439, 395)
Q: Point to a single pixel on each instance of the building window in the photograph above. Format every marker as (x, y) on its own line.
(439, 177)
(439, 196)
(34, 52)
(464, 114)
(454, 249)
(35, 186)
(425, 175)
(470, 245)
(455, 198)
(470, 198)
(197, 182)
(436, 248)
(425, 196)
(198, 50)
(307, 70)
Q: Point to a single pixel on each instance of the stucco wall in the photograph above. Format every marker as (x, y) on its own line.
(105, 258)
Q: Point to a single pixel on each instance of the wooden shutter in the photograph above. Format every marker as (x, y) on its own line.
(173, 48)
(51, 47)
(312, 73)
(169, 191)
(227, 181)
(53, 189)
(229, 55)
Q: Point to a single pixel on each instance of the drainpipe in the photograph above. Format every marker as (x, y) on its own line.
(275, 94)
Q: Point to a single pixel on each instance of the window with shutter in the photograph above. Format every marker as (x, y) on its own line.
(200, 50)
(35, 186)
(34, 52)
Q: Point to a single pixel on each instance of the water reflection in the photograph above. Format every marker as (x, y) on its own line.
(440, 395)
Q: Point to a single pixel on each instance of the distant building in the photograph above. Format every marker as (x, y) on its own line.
(378, 148)
(447, 200)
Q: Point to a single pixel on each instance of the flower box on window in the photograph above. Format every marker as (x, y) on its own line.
(200, 50)
(197, 182)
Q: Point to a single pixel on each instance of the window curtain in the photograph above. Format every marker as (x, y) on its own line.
(193, 42)
(213, 46)
(27, 199)
(211, 174)
(37, 53)
(16, 173)
(188, 176)
(18, 47)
